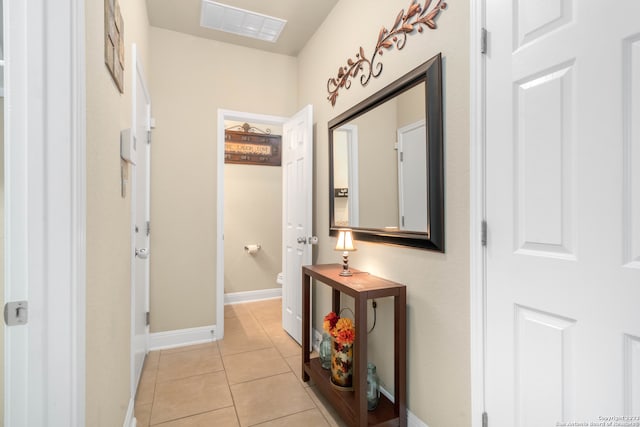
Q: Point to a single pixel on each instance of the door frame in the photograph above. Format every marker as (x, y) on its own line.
(42, 44)
(477, 210)
(242, 117)
(352, 154)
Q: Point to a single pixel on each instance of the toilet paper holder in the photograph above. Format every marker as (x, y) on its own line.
(252, 249)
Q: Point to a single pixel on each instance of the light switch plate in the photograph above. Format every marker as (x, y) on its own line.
(128, 146)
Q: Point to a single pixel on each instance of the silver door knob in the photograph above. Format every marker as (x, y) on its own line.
(302, 240)
(142, 253)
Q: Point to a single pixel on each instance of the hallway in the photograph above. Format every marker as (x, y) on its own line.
(252, 377)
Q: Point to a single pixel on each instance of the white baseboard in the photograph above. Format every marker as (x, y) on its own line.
(247, 296)
(130, 419)
(182, 337)
(413, 421)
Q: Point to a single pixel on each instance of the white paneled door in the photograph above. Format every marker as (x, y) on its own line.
(563, 212)
(412, 169)
(140, 210)
(297, 218)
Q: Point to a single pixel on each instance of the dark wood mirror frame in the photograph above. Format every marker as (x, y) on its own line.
(433, 239)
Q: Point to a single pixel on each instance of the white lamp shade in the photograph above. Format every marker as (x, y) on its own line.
(345, 241)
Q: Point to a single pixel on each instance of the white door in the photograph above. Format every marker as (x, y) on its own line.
(412, 169)
(44, 241)
(140, 221)
(563, 212)
(297, 214)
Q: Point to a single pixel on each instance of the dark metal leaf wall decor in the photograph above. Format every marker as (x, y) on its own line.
(416, 18)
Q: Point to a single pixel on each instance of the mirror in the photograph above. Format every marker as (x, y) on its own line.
(386, 179)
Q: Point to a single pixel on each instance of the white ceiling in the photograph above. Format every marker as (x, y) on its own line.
(303, 19)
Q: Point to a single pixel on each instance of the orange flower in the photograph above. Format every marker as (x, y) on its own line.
(345, 331)
(341, 329)
(330, 321)
(346, 336)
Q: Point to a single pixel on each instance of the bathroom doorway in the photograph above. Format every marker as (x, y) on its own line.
(233, 247)
(252, 211)
(296, 210)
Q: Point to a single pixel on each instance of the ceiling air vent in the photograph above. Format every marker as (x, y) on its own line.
(222, 17)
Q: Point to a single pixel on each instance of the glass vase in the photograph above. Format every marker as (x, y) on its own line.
(325, 351)
(373, 387)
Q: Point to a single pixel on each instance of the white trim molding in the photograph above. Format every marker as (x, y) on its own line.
(477, 252)
(249, 296)
(413, 421)
(130, 419)
(182, 337)
(45, 219)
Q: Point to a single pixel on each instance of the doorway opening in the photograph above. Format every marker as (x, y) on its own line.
(249, 213)
(252, 211)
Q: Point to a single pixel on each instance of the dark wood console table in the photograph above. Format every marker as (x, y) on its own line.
(352, 405)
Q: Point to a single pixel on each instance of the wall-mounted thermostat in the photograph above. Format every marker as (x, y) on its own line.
(128, 146)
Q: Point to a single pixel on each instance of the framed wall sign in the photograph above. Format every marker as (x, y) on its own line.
(114, 42)
(249, 148)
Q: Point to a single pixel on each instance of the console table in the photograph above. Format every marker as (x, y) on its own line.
(352, 405)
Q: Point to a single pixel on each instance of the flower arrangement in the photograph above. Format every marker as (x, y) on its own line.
(343, 334)
(341, 329)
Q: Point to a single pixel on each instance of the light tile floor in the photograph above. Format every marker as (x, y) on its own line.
(251, 378)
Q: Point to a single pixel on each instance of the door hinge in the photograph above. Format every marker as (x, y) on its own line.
(483, 233)
(147, 318)
(148, 137)
(148, 228)
(402, 156)
(485, 420)
(483, 41)
(403, 221)
(16, 313)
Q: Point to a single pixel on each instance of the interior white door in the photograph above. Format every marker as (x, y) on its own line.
(140, 207)
(297, 214)
(563, 212)
(412, 168)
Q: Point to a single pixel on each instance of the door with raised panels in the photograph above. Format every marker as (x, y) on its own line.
(297, 214)
(140, 205)
(563, 211)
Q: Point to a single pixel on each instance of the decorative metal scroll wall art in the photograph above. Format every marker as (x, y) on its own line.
(416, 18)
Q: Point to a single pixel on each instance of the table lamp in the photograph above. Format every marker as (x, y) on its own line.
(345, 244)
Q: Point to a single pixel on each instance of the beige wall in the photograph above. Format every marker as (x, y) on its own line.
(191, 78)
(411, 106)
(437, 284)
(252, 215)
(108, 220)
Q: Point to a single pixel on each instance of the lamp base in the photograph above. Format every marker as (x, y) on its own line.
(345, 265)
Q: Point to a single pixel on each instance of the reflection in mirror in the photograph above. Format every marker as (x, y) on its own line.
(391, 164)
(386, 160)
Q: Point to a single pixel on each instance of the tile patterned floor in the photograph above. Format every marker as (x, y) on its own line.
(251, 378)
